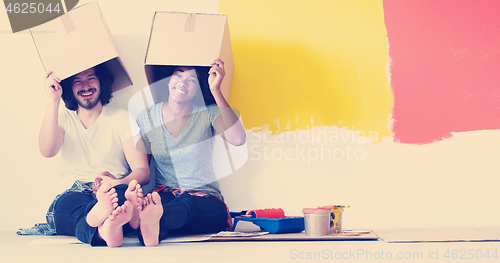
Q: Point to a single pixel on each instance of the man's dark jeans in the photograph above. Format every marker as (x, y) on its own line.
(71, 211)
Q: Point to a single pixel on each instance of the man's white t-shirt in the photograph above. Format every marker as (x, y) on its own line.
(85, 153)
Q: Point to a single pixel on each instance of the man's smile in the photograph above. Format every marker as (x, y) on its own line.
(86, 93)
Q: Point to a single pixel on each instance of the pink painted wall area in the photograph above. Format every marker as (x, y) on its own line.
(445, 70)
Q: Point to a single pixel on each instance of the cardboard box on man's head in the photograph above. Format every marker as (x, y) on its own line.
(79, 40)
(187, 39)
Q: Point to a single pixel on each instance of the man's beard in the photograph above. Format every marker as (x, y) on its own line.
(90, 104)
(87, 104)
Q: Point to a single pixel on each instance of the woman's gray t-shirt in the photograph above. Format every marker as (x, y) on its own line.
(184, 161)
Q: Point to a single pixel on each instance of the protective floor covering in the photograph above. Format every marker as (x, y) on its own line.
(410, 235)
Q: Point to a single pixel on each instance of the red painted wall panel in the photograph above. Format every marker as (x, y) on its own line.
(445, 70)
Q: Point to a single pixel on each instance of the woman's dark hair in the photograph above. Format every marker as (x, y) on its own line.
(106, 79)
(162, 73)
(202, 74)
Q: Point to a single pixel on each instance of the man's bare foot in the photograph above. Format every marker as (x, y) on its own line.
(135, 196)
(152, 211)
(111, 230)
(107, 201)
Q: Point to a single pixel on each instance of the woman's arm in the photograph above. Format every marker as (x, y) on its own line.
(228, 125)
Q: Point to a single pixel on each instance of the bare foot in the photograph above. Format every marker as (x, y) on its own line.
(152, 210)
(106, 203)
(135, 196)
(111, 230)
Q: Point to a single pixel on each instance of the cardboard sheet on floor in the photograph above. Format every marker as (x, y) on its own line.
(347, 236)
(414, 235)
(127, 241)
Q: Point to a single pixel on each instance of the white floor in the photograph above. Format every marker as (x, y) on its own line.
(14, 248)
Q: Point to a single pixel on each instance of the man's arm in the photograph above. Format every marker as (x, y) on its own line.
(138, 162)
(51, 134)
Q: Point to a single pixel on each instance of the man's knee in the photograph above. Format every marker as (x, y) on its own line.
(73, 199)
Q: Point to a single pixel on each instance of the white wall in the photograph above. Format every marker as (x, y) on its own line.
(451, 183)
(448, 183)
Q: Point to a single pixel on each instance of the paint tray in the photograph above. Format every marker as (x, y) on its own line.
(292, 224)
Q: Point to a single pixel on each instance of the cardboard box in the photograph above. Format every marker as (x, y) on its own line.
(188, 39)
(79, 40)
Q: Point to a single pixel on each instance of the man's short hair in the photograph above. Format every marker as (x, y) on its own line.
(106, 79)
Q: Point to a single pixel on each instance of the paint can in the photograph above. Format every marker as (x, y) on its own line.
(336, 217)
(317, 221)
(336, 225)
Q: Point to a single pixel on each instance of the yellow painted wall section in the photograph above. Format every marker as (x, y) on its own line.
(301, 64)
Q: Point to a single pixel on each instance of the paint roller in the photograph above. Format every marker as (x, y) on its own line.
(267, 213)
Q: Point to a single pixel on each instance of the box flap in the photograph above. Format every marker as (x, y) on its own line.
(186, 39)
(76, 41)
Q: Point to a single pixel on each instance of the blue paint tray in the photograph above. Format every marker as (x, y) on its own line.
(275, 225)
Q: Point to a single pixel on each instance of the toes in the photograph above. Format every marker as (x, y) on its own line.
(117, 210)
(127, 205)
(156, 198)
(145, 201)
(150, 198)
(139, 201)
(132, 185)
(115, 213)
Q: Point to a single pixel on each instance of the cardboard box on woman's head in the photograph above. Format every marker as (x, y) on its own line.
(79, 40)
(187, 39)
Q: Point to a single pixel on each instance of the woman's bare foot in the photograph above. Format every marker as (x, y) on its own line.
(106, 203)
(111, 230)
(152, 210)
(135, 196)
